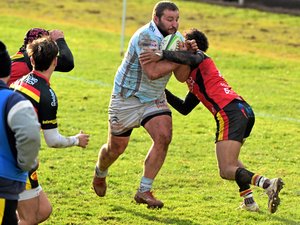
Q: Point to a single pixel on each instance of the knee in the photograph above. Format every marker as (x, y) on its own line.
(116, 149)
(223, 172)
(163, 139)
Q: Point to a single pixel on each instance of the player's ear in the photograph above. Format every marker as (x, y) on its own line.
(55, 62)
(156, 19)
(32, 61)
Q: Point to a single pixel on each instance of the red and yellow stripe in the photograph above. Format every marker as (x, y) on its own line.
(28, 90)
(223, 125)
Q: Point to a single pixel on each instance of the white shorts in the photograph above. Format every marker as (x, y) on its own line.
(31, 193)
(128, 113)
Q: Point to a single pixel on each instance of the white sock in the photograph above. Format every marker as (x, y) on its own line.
(146, 184)
(100, 173)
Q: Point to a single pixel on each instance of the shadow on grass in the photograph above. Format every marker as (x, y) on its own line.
(151, 218)
(286, 221)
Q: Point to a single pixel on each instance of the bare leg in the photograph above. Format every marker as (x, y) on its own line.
(160, 130)
(227, 154)
(111, 151)
(35, 210)
(108, 154)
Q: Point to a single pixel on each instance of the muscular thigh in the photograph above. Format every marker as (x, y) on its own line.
(28, 208)
(157, 119)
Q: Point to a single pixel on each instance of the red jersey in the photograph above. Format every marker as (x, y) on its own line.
(21, 64)
(208, 85)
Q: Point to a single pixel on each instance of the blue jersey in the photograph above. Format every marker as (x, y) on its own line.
(130, 80)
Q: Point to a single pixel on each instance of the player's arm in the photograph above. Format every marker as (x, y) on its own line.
(178, 57)
(183, 57)
(23, 122)
(182, 73)
(182, 106)
(55, 140)
(156, 70)
(65, 60)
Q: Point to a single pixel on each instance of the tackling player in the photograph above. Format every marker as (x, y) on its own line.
(234, 117)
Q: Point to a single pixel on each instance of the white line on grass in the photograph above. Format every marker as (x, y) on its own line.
(83, 80)
(265, 115)
(104, 84)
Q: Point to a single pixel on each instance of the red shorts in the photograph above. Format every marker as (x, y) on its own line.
(234, 121)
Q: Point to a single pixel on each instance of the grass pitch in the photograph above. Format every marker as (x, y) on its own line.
(257, 52)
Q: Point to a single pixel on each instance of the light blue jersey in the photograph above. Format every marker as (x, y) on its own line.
(130, 80)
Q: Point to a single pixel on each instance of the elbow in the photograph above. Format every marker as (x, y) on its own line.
(68, 66)
(181, 79)
(185, 112)
(52, 143)
(153, 76)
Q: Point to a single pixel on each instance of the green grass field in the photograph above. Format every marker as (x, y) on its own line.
(257, 52)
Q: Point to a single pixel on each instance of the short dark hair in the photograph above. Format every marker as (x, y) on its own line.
(199, 37)
(43, 51)
(159, 8)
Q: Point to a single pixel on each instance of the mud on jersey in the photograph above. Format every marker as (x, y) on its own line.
(36, 88)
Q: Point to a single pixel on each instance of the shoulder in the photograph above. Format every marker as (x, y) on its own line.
(16, 102)
(19, 56)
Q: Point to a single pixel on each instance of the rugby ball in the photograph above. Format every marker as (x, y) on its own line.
(171, 42)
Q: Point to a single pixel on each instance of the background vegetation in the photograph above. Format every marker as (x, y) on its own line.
(257, 52)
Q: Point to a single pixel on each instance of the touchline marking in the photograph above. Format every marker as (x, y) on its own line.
(265, 115)
(103, 84)
(83, 80)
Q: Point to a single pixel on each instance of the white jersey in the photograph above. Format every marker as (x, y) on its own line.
(130, 80)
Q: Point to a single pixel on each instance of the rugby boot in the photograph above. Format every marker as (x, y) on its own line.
(273, 191)
(148, 198)
(99, 185)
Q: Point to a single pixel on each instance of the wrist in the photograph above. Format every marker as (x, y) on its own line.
(160, 54)
(75, 140)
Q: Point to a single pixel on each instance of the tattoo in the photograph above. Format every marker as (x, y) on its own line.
(184, 57)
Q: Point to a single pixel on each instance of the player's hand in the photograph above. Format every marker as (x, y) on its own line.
(182, 46)
(150, 56)
(56, 34)
(83, 139)
(191, 45)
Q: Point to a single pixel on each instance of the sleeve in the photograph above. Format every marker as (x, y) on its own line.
(145, 41)
(184, 57)
(47, 108)
(22, 120)
(55, 140)
(65, 60)
(182, 106)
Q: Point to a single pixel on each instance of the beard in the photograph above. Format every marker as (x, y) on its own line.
(163, 30)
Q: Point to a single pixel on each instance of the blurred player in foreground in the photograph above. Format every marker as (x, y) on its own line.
(19, 144)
